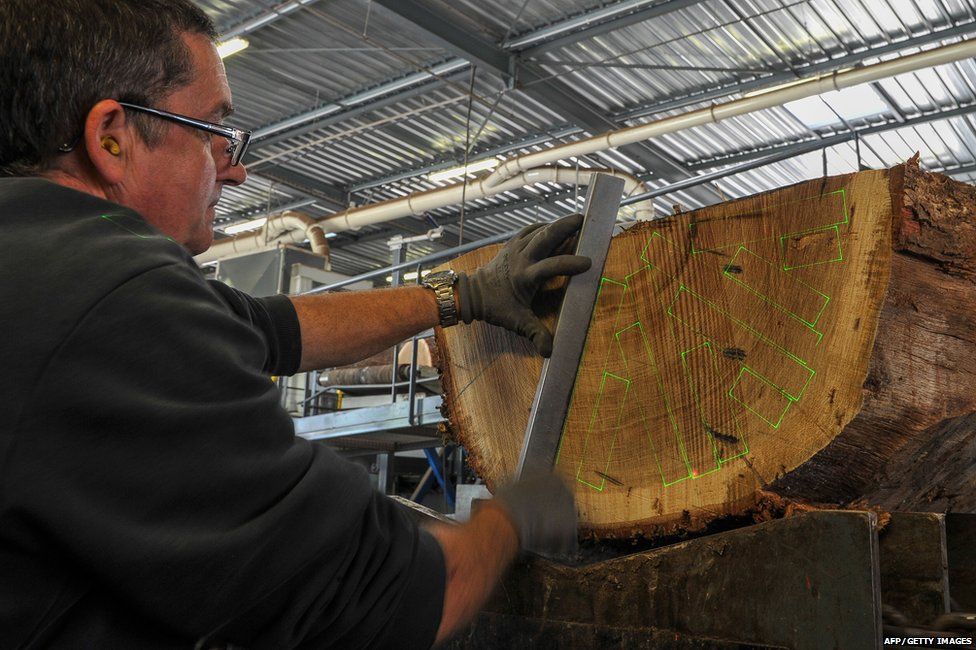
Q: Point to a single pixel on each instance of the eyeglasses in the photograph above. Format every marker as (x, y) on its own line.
(237, 138)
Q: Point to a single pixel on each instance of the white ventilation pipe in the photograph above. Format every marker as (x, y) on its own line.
(282, 229)
(776, 96)
(525, 170)
(286, 228)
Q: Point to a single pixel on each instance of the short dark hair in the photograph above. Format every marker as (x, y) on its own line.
(58, 58)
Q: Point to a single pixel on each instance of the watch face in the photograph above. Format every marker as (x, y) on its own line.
(440, 277)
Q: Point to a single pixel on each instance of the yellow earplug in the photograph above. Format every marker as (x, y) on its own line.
(110, 145)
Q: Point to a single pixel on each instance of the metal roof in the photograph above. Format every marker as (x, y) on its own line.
(357, 101)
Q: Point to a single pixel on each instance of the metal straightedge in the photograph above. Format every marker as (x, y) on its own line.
(555, 388)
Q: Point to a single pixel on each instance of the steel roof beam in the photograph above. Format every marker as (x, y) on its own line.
(255, 213)
(532, 81)
(466, 45)
(264, 19)
(351, 105)
(527, 140)
(328, 194)
(404, 87)
(961, 170)
(806, 71)
(594, 28)
(830, 140)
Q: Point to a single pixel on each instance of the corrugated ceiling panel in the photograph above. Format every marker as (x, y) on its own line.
(317, 55)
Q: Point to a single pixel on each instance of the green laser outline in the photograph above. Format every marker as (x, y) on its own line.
(667, 404)
(772, 302)
(701, 414)
(842, 192)
(669, 310)
(743, 325)
(765, 380)
(643, 254)
(840, 249)
(616, 427)
(650, 440)
(701, 411)
(111, 219)
(579, 371)
(835, 226)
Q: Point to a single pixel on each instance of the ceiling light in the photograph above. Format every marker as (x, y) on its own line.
(233, 46)
(244, 226)
(471, 168)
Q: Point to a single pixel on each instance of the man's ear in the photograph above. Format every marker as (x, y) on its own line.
(107, 141)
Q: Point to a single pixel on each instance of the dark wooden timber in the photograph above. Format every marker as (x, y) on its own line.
(494, 631)
(961, 542)
(810, 581)
(914, 568)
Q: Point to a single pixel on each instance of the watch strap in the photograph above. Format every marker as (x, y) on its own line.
(442, 284)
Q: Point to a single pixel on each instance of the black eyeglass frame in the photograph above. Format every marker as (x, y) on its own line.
(238, 138)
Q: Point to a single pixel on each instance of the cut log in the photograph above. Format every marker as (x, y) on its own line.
(806, 342)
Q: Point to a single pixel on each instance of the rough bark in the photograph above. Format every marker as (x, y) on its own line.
(817, 342)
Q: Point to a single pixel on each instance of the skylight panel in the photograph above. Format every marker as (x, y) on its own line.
(829, 108)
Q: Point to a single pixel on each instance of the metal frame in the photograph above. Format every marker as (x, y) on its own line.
(370, 419)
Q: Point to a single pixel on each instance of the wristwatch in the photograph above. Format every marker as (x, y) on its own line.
(442, 282)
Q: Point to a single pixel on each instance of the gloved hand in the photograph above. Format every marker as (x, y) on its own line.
(543, 512)
(501, 292)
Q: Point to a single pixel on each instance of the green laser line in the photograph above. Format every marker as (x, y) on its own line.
(692, 225)
(743, 325)
(111, 219)
(709, 429)
(603, 282)
(616, 427)
(629, 292)
(789, 399)
(808, 324)
(840, 251)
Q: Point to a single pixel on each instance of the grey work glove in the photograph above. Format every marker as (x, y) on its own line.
(543, 512)
(501, 292)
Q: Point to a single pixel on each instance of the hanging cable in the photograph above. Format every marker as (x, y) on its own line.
(517, 119)
(369, 7)
(484, 122)
(542, 78)
(511, 25)
(467, 148)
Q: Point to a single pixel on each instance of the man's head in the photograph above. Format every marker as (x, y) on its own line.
(66, 64)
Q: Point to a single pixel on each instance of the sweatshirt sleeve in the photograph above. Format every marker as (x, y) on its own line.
(154, 454)
(275, 318)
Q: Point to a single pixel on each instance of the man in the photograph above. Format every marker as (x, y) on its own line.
(152, 493)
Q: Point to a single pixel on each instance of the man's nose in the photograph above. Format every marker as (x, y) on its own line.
(234, 174)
